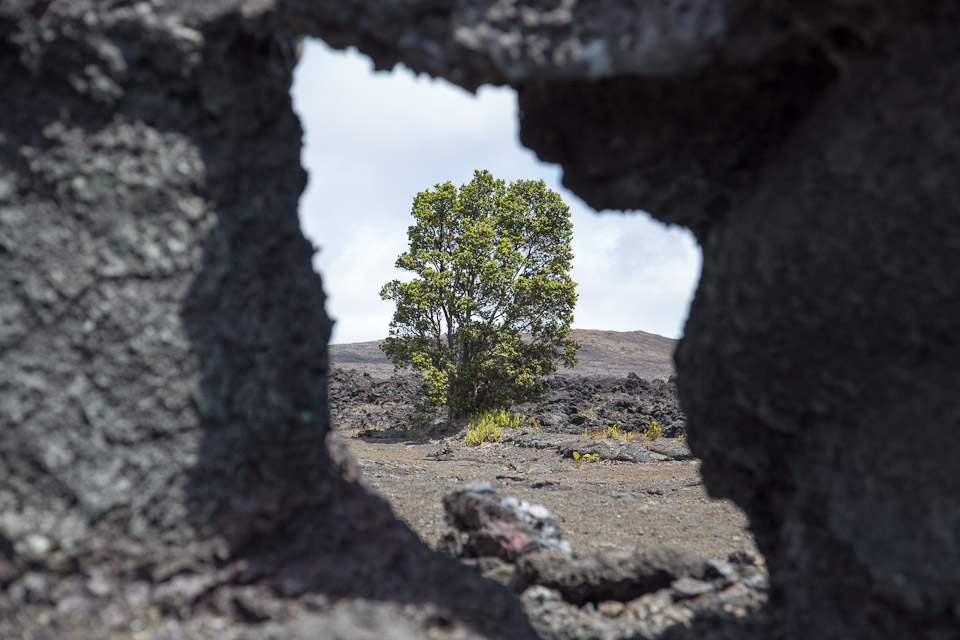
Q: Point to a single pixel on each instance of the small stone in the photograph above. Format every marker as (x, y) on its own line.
(37, 546)
(76, 607)
(137, 595)
(723, 570)
(100, 583)
(449, 543)
(757, 580)
(743, 557)
(611, 608)
(687, 587)
(442, 452)
(32, 588)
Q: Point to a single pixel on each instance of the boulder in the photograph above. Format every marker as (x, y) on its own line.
(501, 526)
(610, 575)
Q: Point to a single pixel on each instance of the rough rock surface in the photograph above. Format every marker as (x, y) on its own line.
(501, 526)
(610, 593)
(574, 404)
(657, 592)
(162, 337)
(813, 148)
(163, 340)
(646, 593)
(571, 404)
(619, 576)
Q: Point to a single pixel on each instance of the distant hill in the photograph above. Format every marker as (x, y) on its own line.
(614, 353)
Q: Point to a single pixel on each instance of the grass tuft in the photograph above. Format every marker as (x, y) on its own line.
(653, 432)
(580, 459)
(488, 426)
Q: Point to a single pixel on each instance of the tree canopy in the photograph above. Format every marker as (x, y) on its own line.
(490, 306)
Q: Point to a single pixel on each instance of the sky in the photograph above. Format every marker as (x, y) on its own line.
(373, 140)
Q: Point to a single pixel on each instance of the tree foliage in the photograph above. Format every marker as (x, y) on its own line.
(490, 305)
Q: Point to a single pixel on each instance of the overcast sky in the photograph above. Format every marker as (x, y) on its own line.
(373, 140)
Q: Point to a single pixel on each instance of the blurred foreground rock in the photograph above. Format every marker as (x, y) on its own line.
(656, 592)
(813, 149)
(163, 467)
(659, 593)
(163, 400)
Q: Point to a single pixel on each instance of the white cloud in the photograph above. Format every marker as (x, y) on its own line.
(373, 140)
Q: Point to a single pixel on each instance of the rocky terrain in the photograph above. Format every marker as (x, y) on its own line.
(165, 470)
(618, 499)
(571, 404)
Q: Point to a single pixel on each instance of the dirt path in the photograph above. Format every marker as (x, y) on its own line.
(600, 505)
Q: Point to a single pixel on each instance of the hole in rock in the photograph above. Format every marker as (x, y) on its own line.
(372, 141)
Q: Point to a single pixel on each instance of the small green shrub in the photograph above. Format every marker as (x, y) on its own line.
(486, 427)
(485, 432)
(505, 419)
(617, 433)
(589, 414)
(580, 459)
(653, 432)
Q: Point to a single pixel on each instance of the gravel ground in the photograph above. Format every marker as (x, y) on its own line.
(614, 498)
(602, 504)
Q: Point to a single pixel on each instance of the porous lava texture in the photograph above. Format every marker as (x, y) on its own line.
(162, 393)
(162, 401)
(570, 404)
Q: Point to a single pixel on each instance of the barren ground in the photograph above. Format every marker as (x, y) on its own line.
(601, 505)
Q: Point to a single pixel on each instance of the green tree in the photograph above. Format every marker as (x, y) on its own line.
(489, 308)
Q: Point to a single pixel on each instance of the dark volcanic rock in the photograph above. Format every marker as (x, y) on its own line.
(813, 148)
(644, 593)
(162, 396)
(163, 400)
(361, 401)
(604, 449)
(501, 526)
(619, 576)
(573, 404)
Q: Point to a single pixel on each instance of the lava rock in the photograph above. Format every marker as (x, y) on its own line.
(501, 526)
(609, 575)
